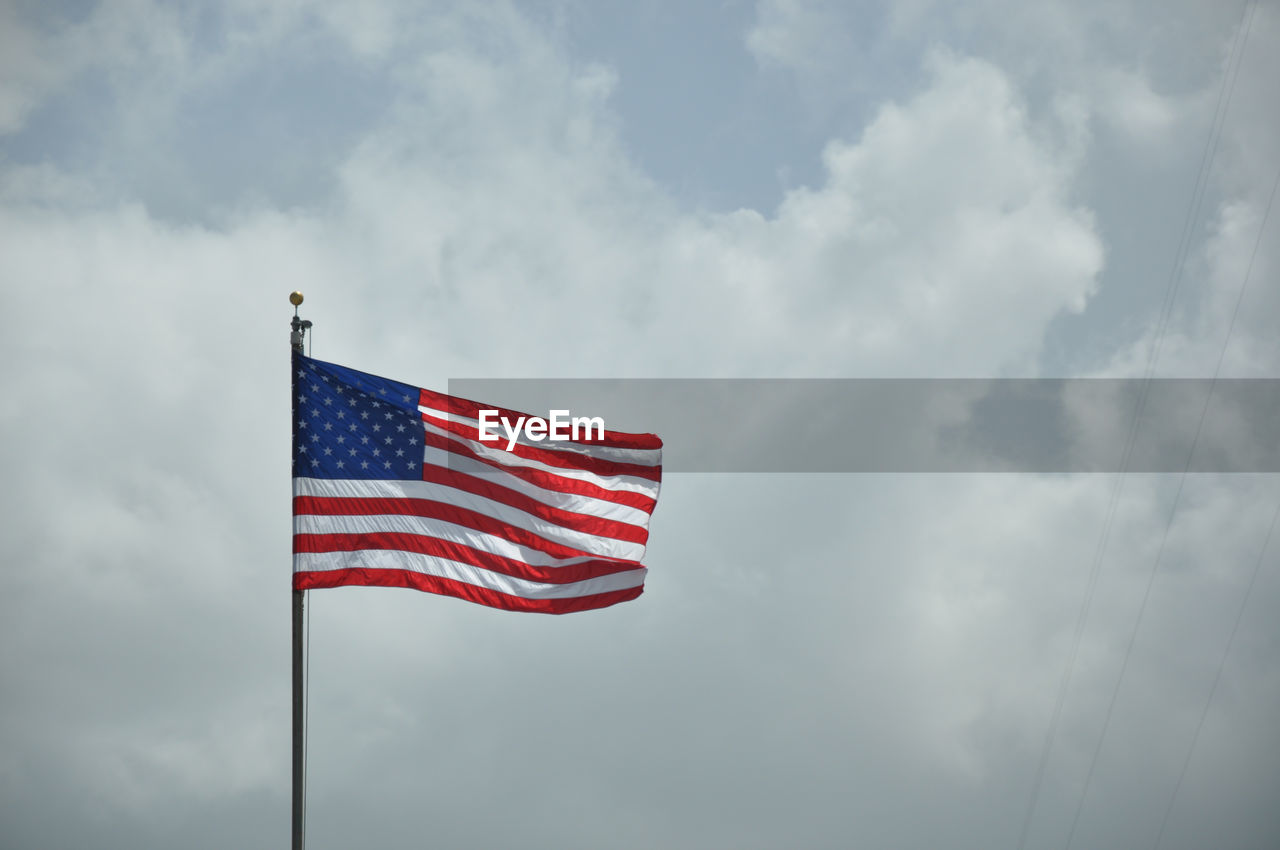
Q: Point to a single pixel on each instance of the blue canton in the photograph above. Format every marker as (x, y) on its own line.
(349, 424)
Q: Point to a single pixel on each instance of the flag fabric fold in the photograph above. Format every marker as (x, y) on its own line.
(392, 487)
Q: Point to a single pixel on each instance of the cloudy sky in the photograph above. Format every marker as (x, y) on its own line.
(730, 189)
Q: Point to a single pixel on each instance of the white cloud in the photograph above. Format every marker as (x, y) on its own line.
(1144, 117)
(806, 36)
(947, 227)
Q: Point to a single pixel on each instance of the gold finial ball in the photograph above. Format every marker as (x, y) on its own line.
(295, 298)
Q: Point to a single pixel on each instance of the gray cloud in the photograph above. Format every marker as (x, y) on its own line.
(817, 661)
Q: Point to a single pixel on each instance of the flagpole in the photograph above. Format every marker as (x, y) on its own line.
(299, 329)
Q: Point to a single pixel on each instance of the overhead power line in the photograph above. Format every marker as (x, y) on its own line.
(1162, 324)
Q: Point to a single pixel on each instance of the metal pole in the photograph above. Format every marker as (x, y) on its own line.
(299, 329)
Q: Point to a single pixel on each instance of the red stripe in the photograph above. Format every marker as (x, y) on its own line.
(514, 498)
(432, 509)
(471, 409)
(540, 478)
(461, 590)
(562, 459)
(434, 546)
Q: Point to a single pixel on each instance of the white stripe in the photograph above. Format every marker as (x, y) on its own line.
(575, 502)
(616, 454)
(380, 489)
(397, 524)
(503, 457)
(391, 559)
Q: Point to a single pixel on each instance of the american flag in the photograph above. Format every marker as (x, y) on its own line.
(393, 487)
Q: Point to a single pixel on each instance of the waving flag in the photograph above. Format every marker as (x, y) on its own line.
(392, 486)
